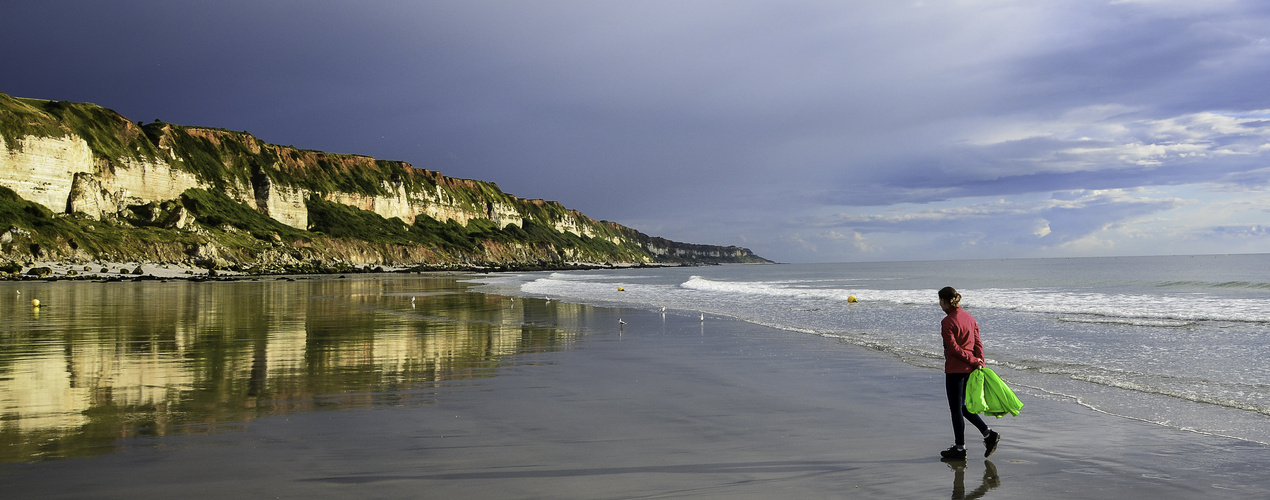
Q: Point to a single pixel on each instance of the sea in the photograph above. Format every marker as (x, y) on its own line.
(1179, 341)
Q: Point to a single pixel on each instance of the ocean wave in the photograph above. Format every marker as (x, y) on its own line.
(1098, 320)
(1161, 310)
(1167, 308)
(595, 277)
(1250, 285)
(771, 288)
(782, 289)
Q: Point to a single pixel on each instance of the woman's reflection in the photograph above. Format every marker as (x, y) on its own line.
(990, 479)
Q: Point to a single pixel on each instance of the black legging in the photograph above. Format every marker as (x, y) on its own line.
(955, 385)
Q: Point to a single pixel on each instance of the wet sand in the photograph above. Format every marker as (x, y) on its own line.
(667, 408)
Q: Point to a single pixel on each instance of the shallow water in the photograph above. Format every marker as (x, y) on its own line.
(98, 362)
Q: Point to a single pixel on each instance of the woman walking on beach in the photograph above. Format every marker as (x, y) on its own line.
(963, 354)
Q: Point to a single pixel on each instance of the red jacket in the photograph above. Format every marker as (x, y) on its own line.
(961, 342)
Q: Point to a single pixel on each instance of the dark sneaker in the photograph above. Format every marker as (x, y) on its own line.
(953, 453)
(990, 443)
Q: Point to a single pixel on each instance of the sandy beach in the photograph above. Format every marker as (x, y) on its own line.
(665, 407)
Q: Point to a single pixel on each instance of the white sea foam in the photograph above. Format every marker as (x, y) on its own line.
(1168, 310)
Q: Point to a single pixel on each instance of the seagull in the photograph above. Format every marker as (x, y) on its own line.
(703, 317)
(620, 322)
(663, 310)
(412, 300)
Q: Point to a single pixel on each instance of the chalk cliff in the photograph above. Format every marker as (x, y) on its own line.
(81, 183)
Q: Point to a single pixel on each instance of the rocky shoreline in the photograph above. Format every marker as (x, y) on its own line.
(148, 271)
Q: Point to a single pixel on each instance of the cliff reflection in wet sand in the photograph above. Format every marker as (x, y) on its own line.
(98, 362)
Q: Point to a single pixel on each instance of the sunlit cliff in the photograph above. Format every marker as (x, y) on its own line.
(81, 183)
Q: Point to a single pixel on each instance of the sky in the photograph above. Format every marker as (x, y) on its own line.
(807, 131)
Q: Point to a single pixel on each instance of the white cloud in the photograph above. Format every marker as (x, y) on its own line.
(855, 241)
(862, 244)
(800, 243)
(1042, 228)
(1108, 137)
(1065, 200)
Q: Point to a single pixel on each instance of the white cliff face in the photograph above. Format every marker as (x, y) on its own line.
(62, 174)
(135, 183)
(572, 225)
(504, 214)
(283, 203)
(393, 205)
(439, 205)
(42, 169)
(143, 182)
(442, 206)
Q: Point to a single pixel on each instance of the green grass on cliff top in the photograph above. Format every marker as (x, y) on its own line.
(108, 134)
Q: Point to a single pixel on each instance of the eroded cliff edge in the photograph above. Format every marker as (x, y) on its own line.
(80, 183)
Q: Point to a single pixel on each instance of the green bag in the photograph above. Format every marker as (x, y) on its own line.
(987, 394)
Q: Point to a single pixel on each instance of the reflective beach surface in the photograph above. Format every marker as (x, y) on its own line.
(401, 386)
(97, 363)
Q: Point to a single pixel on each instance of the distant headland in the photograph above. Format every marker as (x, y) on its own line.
(83, 187)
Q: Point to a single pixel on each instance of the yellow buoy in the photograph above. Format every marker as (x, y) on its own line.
(852, 299)
(35, 302)
(620, 289)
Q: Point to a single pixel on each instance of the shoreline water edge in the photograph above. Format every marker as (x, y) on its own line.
(142, 271)
(391, 385)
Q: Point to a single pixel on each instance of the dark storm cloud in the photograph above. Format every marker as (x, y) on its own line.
(1151, 53)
